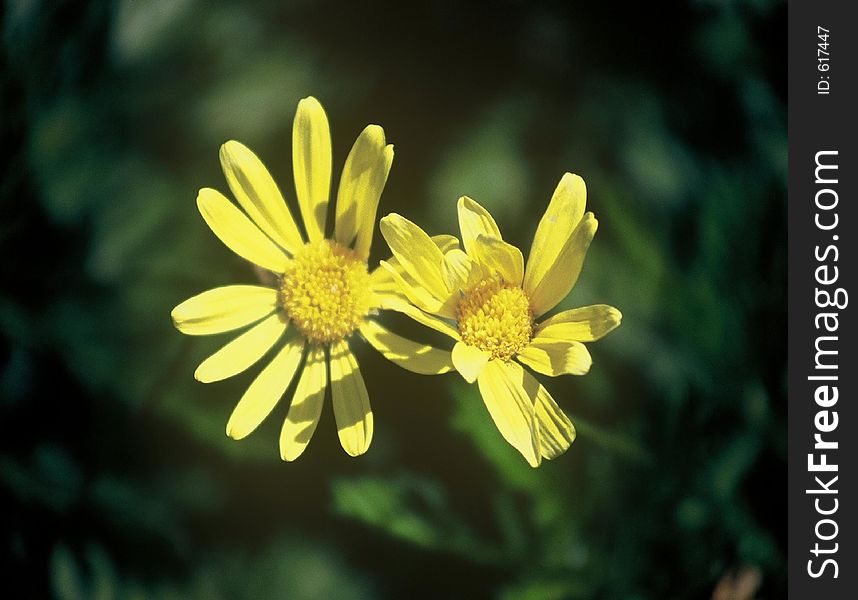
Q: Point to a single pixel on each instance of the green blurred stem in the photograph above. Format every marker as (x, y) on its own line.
(622, 445)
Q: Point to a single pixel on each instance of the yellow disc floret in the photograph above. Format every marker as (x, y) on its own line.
(325, 291)
(495, 317)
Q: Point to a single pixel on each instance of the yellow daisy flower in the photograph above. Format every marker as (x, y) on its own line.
(491, 305)
(324, 294)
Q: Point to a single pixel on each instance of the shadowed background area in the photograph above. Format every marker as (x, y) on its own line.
(116, 477)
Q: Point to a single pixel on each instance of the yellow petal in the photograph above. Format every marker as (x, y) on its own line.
(559, 221)
(258, 195)
(311, 165)
(224, 309)
(407, 308)
(238, 233)
(392, 281)
(556, 357)
(418, 255)
(445, 242)
(367, 222)
(303, 415)
(418, 358)
(475, 220)
(383, 283)
(358, 180)
(510, 397)
(265, 391)
(499, 258)
(242, 352)
(411, 289)
(556, 432)
(469, 361)
(458, 271)
(585, 324)
(561, 276)
(351, 401)
(361, 184)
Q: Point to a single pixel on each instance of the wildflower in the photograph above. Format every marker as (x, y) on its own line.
(324, 292)
(485, 299)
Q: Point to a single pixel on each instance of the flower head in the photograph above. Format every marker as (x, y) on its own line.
(324, 295)
(484, 297)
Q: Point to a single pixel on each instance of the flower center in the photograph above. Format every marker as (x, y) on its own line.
(495, 317)
(325, 291)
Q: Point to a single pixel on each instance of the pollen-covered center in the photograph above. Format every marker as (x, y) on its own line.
(325, 291)
(495, 316)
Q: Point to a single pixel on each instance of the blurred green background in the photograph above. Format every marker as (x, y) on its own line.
(116, 478)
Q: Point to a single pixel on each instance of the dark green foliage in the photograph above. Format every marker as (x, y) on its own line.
(116, 477)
